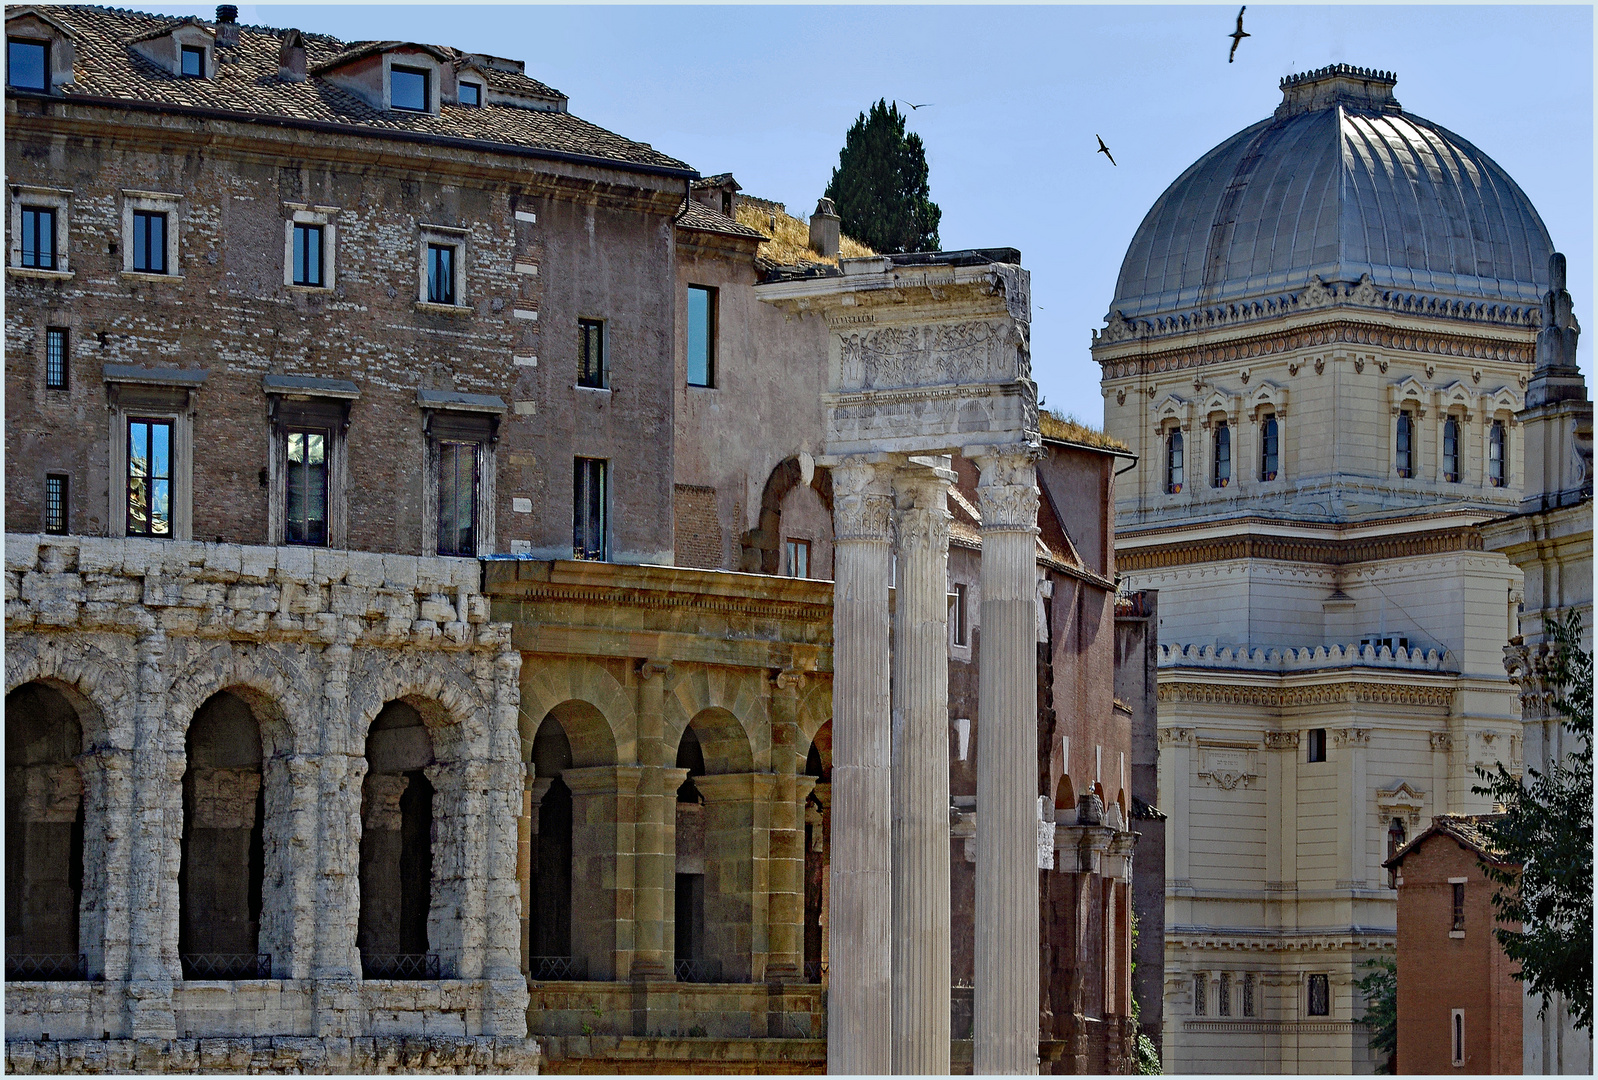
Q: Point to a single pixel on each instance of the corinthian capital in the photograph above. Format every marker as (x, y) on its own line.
(1008, 491)
(921, 511)
(862, 501)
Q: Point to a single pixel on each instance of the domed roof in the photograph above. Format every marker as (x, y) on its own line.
(1339, 183)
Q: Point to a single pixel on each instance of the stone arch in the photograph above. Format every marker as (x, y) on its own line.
(818, 755)
(454, 706)
(95, 682)
(722, 740)
(762, 545)
(1064, 796)
(548, 684)
(589, 738)
(741, 695)
(815, 708)
(279, 691)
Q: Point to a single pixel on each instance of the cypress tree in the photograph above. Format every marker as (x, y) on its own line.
(880, 185)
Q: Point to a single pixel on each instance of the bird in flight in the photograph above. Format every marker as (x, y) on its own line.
(1237, 35)
(1105, 150)
(923, 105)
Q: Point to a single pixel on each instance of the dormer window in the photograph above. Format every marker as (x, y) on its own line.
(471, 94)
(27, 64)
(407, 89)
(193, 62)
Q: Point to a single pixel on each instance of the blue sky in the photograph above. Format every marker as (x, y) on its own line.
(1016, 96)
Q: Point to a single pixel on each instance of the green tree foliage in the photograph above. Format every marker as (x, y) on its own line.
(1546, 833)
(880, 185)
(1380, 988)
(1148, 1055)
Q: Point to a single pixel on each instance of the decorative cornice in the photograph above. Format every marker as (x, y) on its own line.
(1339, 332)
(1323, 552)
(634, 598)
(1277, 697)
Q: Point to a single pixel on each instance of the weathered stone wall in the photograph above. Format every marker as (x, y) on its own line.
(142, 633)
(325, 1056)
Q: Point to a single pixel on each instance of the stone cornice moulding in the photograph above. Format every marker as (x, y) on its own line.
(1322, 551)
(1330, 693)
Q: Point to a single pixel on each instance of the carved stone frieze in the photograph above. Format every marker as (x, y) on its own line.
(1176, 736)
(1281, 740)
(1442, 742)
(1324, 694)
(1351, 737)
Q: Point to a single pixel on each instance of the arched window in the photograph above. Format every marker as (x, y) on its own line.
(1451, 450)
(1173, 462)
(44, 835)
(816, 765)
(223, 860)
(550, 914)
(1270, 449)
(1405, 456)
(1223, 456)
(1497, 455)
(397, 848)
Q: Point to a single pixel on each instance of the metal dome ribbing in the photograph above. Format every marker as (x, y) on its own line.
(1340, 183)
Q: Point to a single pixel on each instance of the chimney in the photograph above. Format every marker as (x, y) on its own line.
(227, 25)
(825, 228)
(291, 58)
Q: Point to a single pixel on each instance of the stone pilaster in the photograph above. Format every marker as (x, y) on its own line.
(786, 909)
(1006, 998)
(505, 1004)
(340, 774)
(604, 870)
(157, 830)
(859, 1013)
(657, 807)
(921, 775)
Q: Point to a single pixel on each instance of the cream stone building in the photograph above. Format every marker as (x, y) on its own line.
(1319, 347)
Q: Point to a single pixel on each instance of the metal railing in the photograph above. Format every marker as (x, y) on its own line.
(814, 970)
(227, 965)
(697, 971)
(47, 967)
(400, 966)
(541, 968)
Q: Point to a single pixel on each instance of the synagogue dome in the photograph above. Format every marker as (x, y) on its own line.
(1339, 183)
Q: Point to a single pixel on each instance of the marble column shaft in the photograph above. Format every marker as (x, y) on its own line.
(1006, 997)
(859, 1014)
(921, 964)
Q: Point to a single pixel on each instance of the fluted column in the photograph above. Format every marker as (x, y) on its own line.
(859, 1015)
(1006, 999)
(921, 774)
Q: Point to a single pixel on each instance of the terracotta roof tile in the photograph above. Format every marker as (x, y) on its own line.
(696, 215)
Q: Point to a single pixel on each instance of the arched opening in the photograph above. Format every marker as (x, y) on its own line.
(397, 848)
(1065, 799)
(223, 855)
(765, 547)
(550, 917)
(44, 835)
(690, 900)
(715, 855)
(818, 764)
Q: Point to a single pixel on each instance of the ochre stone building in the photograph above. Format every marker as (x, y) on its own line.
(419, 633)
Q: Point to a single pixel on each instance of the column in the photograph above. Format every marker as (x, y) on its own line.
(534, 788)
(340, 760)
(157, 828)
(1006, 999)
(657, 808)
(505, 997)
(604, 808)
(921, 776)
(786, 911)
(859, 1015)
(735, 871)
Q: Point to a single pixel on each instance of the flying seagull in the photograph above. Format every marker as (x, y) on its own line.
(923, 105)
(1237, 35)
(1105, 150)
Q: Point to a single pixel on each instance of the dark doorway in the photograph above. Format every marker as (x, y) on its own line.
(550, 932)
(397, 848)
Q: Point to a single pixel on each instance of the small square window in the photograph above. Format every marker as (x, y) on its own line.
(701, 335)
(308, 255)
(591, 353)
(1316, 744)
(799, 558)
(1320, 996)
(440, 274)
(55, 358)
(588, 509)
(38, 237)
(961, 625)
(193, 62)
(28, 65)
(470, 94)
(55, 504)
(149, 242)
(407, 89)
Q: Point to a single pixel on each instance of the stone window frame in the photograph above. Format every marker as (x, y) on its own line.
(1460, 419)
(326, 217)
(1309, 993)
(476, 81)
(304, 401)
(56, 199)
(1262, 414)
(157, 202)
(1502, 426)
(423, 63)
(60, 54)
(1217, 426)
(1168, 485)
(158, 394)
(1201, 993)
(452, 417)
(960, 612)
(443, 236)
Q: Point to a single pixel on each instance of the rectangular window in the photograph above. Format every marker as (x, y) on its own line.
(1451, 470)
(1320, 996)
(55, 358)
(38, 237)
(1316, 744)
(1201, 994)
(1248, 993)
(308, 255)
(55, 504)
(1496, 458)
(701, 336)
(1457, 1020)
(440, 274)
(962, 629)
(193, 62)
(1459, 906)
(1270, 447)
(590, 353)
(149, 480)
(470, 94)
(458, 480)
(588, 509)
(407, 89)
(149, 242)
(799, 558)
(28, 65)
(1224, 1000)
(1404, 454)
(305, 506)
(1223, 456)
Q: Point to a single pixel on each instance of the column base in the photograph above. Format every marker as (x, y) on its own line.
(651, 971)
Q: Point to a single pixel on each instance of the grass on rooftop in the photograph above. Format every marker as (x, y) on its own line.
(789, 241)
(1070, 429)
